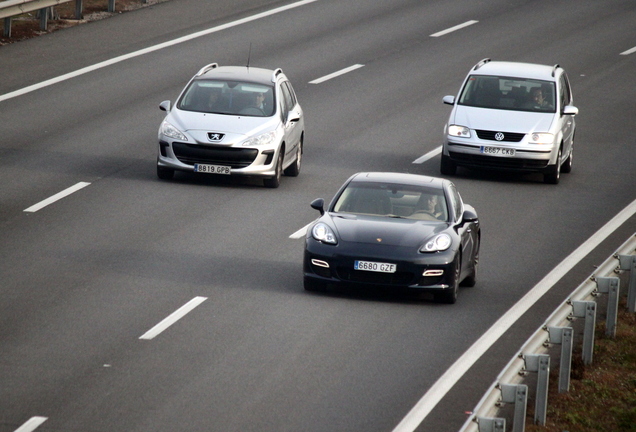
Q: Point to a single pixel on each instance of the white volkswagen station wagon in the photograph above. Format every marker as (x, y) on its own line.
(511, 116)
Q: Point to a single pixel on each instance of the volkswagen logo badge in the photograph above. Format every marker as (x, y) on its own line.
(499, 136)
(215, 136)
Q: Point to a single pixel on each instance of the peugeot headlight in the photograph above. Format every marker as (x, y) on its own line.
(541, 138)
(439, 243)
(323, 233)
(262, 139)
(459, 131)
(170, 131)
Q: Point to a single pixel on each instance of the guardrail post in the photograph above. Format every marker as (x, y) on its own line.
(517, 394)
(565, 337)
(487, 424)
(628, 262)
(610, 286)
(78, 10)
(7, 27)
(111, 5)
(44, 18)
(539, 363)
(587, 310)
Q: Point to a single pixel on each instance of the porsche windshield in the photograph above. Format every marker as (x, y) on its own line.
(393, 200)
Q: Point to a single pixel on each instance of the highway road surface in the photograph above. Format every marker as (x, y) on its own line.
(133, 304)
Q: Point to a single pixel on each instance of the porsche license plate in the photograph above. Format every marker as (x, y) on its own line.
(211, 169)
(497, 151)
(374, 266)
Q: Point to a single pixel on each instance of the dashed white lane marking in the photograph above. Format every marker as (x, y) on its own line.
(337, 73)
(428, 155)
(452, 29)
(300, 233)
(31, 424)
(173, 318)
(629, 51)
(58, 196)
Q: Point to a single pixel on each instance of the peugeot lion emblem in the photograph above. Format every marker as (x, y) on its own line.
(499, 136)
(215, 136)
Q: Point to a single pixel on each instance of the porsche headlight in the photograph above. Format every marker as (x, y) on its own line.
(541, 138)
(459, 131)
(439, 243)
(262, 139)
(170, 131)
(323, 233)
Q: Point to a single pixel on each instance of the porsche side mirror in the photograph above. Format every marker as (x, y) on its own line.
(319, 204)
(469, 215)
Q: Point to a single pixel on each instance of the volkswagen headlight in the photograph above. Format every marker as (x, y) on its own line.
(459, 131)
(541, 138)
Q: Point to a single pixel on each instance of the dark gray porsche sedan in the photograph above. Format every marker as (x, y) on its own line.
(402, 231)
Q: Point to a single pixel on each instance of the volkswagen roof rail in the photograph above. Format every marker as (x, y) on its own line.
(556, 66)
(275, 74)
(207, 68)
(481, 63)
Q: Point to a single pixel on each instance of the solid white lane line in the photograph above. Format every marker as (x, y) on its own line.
(31, 424)
(432, 397)
(428, 155)
(173, 317)
(452, 29)
(301, 232)
(629, 51)
(335, 74)
(151, 49)
(58, 196)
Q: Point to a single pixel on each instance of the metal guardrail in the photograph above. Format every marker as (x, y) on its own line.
(12, 8)
(506, 398)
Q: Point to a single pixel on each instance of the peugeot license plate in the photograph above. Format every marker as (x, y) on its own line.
(211, 169)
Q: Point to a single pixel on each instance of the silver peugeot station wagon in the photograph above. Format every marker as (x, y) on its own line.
(511, 116)
(233, 120)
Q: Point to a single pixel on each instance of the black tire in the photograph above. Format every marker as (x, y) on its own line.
(449, 296)
(165, 173)
(274, 182)
(567, 165)
(471, 280)
(294, 169)
(447, 166)
(553, 174)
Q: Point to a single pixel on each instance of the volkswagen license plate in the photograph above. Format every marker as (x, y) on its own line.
(211, 169)
(497, 151)
(374, 266)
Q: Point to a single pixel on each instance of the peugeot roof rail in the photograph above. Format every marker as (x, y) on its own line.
(556, 66)
(275, 74)
(481, 63)
(207, 68)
